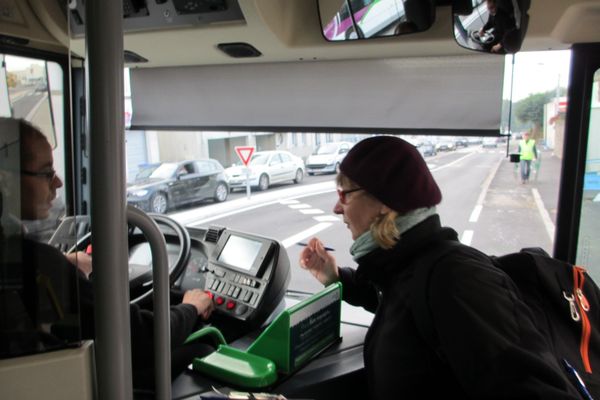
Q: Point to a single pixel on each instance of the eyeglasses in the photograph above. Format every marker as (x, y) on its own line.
(342, 194)
(48, 175)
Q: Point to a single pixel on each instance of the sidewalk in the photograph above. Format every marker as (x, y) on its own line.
(506, 184)
(546, 180)
(520, 215)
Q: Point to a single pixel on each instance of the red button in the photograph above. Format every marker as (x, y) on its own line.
(210, 294)
(220, 300)
(230, 305)
(88, 250)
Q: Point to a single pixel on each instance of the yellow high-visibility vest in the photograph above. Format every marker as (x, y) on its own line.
(526, 148)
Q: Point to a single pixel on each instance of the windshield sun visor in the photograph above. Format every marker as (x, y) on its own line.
(427, 95)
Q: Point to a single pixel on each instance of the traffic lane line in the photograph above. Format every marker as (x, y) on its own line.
(467, 237)
(300, 236)
(548, 224)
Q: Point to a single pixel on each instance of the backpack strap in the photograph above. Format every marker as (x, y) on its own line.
(420, 292)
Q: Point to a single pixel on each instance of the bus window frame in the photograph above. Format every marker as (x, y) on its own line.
(585, 61)
(62, 60)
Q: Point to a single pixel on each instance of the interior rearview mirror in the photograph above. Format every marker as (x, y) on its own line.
(364, 19)
(490, 26)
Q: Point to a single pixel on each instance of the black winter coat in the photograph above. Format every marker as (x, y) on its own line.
(490, 348)
(75, 294)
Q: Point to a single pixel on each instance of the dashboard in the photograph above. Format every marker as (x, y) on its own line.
(245, 274)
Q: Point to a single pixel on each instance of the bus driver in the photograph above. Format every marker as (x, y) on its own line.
(38, 183)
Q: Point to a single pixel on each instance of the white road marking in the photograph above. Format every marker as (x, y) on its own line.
(452, 163)
(548, 224)
(327, 218)
(476, 212)
(597, 198)
(312, 211)
(292, 240)
(298, 206)
(467, 237)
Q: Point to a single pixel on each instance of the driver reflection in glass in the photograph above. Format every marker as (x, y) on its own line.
(500, 22)
(38, 182)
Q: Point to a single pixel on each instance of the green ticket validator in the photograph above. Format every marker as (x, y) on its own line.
(291, 340)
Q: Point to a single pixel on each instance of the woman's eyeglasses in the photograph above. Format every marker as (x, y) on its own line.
(343, 194)
(49, 175)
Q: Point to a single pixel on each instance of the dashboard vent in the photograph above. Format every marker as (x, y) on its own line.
(239, 50)
(213, 233)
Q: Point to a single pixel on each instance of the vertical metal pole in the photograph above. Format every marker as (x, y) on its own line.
(510, 105)
(104, 48)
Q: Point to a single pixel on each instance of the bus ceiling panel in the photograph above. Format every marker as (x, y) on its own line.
(39, 24)
(178, 32)
(149, 15)
(289, 30)
(449, 93)
(579, 24)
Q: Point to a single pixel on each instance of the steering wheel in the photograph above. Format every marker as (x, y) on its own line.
(487, 37)
(140, 273)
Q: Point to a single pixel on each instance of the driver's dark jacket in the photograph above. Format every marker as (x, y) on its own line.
(32, 258)
(502, 23)
(490, 348)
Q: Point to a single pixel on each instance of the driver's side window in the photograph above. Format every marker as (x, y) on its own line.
(275, 160)
(38, 284)
(185, 169)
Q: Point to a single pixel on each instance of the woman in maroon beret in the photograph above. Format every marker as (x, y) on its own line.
(459, 331)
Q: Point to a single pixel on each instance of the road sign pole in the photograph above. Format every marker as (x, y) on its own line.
(248, 183)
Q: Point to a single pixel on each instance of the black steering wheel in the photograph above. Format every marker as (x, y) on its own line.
(140, 273)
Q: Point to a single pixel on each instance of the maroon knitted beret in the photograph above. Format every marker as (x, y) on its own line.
(393, 171)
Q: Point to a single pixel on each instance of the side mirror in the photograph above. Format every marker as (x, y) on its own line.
(490, 26)
(363, 19)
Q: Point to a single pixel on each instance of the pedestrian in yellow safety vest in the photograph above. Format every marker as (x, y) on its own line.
(528, 153)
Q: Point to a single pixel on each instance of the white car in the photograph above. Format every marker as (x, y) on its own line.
(266, 168)
(327, 157)
(489, 142)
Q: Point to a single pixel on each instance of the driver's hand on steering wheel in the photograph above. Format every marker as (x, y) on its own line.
(82, 261)
(201, 300)
(497, 48)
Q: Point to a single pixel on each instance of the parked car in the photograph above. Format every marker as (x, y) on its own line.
(174, 184)
(489, 142)
(445, 145)
(427, 149)
(144, 171)
(266, 168)
(327, 158)
(461, 142)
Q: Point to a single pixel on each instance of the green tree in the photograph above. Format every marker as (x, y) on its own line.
(530, 110)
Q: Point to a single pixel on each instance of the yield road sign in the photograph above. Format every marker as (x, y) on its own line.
(244, 153)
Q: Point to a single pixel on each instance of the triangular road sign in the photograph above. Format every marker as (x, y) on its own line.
(244, 153)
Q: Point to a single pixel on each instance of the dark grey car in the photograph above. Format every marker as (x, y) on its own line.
(171, 185)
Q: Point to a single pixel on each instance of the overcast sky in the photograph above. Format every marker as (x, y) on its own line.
(537, 72)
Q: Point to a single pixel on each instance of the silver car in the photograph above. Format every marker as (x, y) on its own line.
(266, 168)
(327, 158)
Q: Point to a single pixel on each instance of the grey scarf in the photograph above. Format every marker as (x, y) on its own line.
(365, 243)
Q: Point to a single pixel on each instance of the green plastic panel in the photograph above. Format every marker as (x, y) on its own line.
(237, 367)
